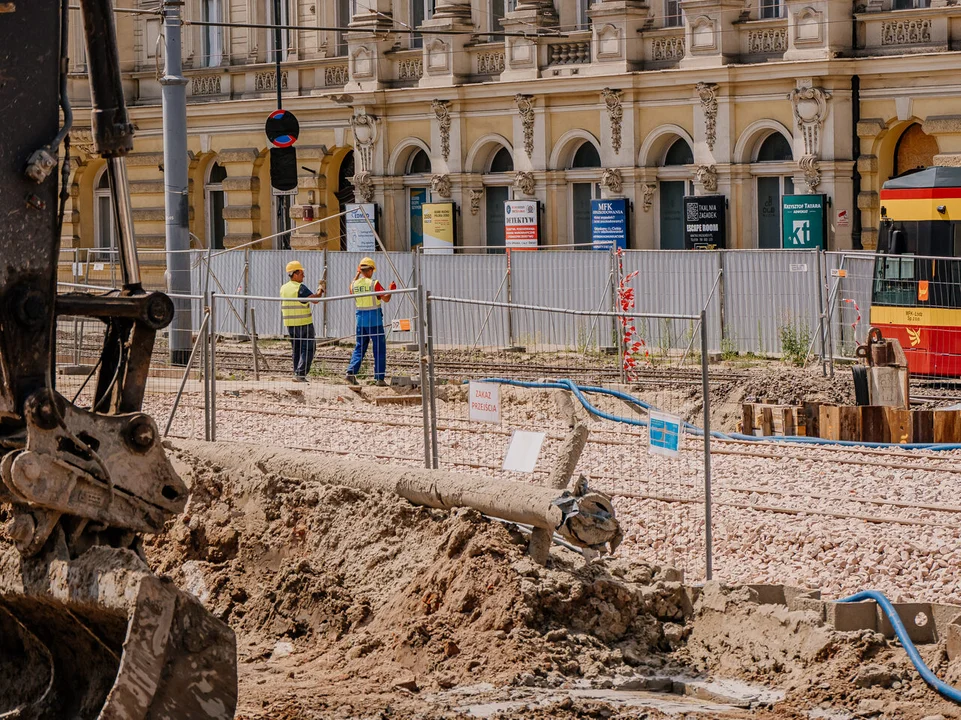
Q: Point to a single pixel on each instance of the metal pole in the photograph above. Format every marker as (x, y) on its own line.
(283, 206)
(618, 322)
(206, 367)
(176, 201)
(183, 381)
(431, 380)
(213, 367)
(819, 287)
(706, 390)
(510, 299)
(424, 360)
(253, 342)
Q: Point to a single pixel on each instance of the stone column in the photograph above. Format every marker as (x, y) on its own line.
(367, 44)
(242, 191)
(524, 56)
(446, 60)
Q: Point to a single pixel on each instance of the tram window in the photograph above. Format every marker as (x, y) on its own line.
(895, 282)
(957, 239)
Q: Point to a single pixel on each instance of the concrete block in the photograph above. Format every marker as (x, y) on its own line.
(954, 642)
(806, 604)
(917, 619)
(848, 617)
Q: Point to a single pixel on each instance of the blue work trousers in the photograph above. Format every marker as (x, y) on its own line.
(303, 344)
(370, 335)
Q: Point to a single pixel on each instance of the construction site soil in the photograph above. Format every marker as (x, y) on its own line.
(360, 605)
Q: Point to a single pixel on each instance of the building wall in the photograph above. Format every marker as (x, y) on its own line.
(791, 75)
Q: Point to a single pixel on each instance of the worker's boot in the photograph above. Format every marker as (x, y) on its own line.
(352, 379)
(380, 383)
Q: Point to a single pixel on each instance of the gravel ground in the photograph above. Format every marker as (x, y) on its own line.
(907, 552)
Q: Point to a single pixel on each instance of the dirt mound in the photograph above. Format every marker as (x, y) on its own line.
(335, 584)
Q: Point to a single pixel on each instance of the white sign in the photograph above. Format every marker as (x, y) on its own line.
(664, 434)
(485, 402)
(523, 451)
(98, 267)
(839, 273)
(360, 229)
(520, 224)
(843, 220)
(799, 267)
(276, 192)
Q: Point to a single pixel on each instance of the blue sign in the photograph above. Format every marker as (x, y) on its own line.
(609, 223)
(664, 434)
(418, 196)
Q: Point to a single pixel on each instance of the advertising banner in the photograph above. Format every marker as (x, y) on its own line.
(705, 222)
(803, 221)
(520, 224)
(438, 228)
(418, 197)
(360, 233)
(609, 223)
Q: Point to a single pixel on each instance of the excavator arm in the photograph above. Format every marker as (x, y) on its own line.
(86, 629)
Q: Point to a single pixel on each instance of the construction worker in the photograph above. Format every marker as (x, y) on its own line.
(298, 318)
(370, 322)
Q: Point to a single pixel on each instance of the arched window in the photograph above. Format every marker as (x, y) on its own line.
(216, 199)
(419, 164)
(775, 148)
(104, 221)
(679, 153)
(497, 192)
(673, 184)
(502, 161)
(586, 157)
(773, 170)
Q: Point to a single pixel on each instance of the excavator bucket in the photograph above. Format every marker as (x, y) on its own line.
(102, 637)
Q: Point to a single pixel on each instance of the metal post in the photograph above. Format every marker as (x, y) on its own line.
(819, 286)
(722, 319)
(706, 390)
(618, 333)
(424, 360)
(206, 366)
(283, 201)
(183, 381)
(510, 300)
(253, 342)
(176, 200)
(323, 307)
(213, 367)
(431, 380)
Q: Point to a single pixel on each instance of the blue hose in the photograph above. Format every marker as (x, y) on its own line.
(942, 688)
(579, 390)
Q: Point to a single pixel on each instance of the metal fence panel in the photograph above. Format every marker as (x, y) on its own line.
(676, 282)
(767, 291)
(477, 277)
(850, 299)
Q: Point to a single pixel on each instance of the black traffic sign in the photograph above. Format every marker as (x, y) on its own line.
(283, 168)
(282, 128)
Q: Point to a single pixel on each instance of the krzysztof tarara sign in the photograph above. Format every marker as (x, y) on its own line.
(705, 222)
(282, 130)
(803, 221)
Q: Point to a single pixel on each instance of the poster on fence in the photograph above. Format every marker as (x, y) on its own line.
(664, 434)
(520, 224)
(438, 228)
(360, 228)
(609, 224)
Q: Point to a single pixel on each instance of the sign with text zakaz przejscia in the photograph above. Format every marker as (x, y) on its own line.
(520, 224)
(803, 221)
(609, 224)
(438, 228)
(705, 222)
(485, 402)
(664, 434)
(360, 227)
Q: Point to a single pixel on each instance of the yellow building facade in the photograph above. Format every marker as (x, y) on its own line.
(575, 100)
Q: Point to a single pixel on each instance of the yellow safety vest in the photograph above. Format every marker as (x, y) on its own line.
(365, 285)
(295, 314)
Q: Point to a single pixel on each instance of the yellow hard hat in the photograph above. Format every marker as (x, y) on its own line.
(293, 266)
(367, 262)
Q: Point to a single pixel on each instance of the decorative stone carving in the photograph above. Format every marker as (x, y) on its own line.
(906, 32)
(363, 186)
(612, 181)
(706, 177)
(490, 63)
(336, 75)
(708, 94)
(82, 141)
(808, 164)
(615, 112)
(767, 42)
(205, 85)
(648, 189)
(364, 128)
(267, 81)
(441, 185)
(441, 110)
(410, 69)
(475, 200)
(525, 104)
(524, 182)
(667, 48)
(810, 109)
(575, 53)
